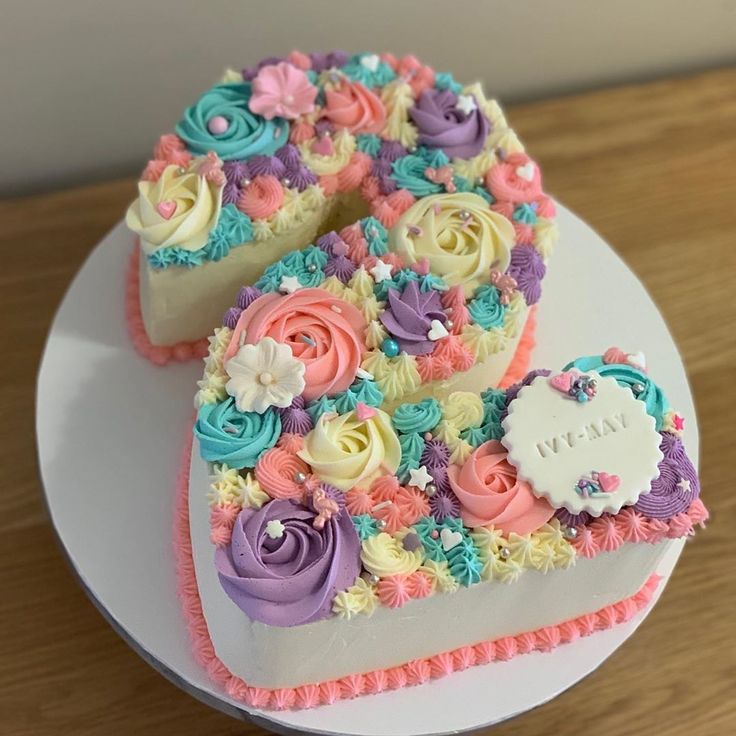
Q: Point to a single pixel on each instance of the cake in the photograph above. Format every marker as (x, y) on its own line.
(361, 495)
(270, 159)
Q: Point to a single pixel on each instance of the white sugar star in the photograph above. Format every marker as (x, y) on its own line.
(683, 485)
(466, 104)
(381, 271)
(420, 477)
(289, 284)
(275, 529)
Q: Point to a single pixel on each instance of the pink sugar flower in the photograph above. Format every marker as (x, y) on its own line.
(282, 90)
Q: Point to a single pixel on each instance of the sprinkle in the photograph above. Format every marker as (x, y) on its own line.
(382, 505)
(335, 308)
(308, 340)
(275, 529)
(362, 373)
(241, 339)
(415, 230)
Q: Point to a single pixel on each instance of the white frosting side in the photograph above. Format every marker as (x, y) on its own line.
(275, 657)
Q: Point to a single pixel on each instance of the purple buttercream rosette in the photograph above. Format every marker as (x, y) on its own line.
(408, 317)
(442, 124)
(290, 579)
(676, 487)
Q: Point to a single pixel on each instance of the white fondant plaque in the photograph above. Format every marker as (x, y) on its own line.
(596, 455)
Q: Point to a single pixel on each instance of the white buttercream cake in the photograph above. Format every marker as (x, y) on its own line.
(273, 157)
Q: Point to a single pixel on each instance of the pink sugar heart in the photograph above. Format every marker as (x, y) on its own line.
(166, 208)
(363, 411)
(562, 381)
(608, 483)
(323, 146)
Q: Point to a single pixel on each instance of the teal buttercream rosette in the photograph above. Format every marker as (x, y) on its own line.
(368, 143)
(628, 377)
(237, 438)
(485, 307)
(320, 406)
(420, 417)
(462, 559)
(247, 134)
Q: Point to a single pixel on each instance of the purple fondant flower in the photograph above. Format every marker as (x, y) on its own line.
(676, 487)
(282, 571)
(409, 316)
(454, 124)
(528, 269)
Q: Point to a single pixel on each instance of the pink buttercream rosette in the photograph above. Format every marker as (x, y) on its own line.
(323, 331)
(490, 494)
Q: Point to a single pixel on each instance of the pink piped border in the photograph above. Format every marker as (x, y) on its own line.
(158, 354)
(519, 365)
(412, 673)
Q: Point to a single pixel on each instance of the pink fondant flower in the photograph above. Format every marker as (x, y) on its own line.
(283, 91)
(491, 495)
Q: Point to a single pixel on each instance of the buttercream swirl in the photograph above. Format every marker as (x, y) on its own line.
(384, 555)
(246, 133)
(409, 315)
(628, 377)
(490, 493)
(423, 416)
(676, 487)
(442, 124)
(485, 307)
(324, 332)
(344, 450)
(179, 210)
(290, 579)
(461, 238)
(237, 438)
(352, 106)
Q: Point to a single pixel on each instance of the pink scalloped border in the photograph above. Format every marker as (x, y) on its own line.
(412, 673)
(157, 354)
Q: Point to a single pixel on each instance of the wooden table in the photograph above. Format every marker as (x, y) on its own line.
(653, 169)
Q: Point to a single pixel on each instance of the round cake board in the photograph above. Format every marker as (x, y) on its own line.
(111, 426)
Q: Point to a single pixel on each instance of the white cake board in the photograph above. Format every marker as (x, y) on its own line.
(110, 430)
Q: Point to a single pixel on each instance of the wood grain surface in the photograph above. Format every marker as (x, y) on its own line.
(653, 169)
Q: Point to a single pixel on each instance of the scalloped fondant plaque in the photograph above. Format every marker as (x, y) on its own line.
(595, 455)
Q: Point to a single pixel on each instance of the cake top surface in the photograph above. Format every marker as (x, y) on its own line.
(332, 507)
(265, 147)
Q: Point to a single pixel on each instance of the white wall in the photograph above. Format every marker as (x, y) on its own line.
(87, 85)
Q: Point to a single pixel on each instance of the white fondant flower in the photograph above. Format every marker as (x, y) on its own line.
(262, 375)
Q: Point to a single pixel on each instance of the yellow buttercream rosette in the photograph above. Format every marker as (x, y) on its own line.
(344, 450)
(459, 235)
(179, 209)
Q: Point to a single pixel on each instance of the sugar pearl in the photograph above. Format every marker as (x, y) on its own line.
(299, 477)
(218, 125)
(504, 553)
